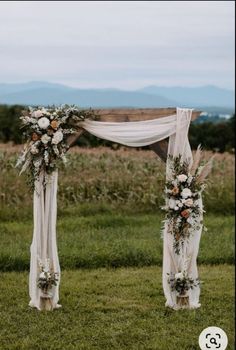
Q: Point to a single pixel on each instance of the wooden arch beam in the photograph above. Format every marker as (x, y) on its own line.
(135, 114)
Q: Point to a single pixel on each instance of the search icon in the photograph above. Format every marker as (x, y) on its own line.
(212, 338)
(213, 341)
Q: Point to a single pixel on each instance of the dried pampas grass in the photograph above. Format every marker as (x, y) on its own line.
(205, 170)
(196, 160)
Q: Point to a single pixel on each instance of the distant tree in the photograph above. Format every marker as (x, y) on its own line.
(10, 123)
(219, 137)
(212, 136)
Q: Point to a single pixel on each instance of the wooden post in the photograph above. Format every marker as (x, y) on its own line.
(135, 114)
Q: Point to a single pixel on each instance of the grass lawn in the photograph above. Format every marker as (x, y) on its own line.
(114, 309)
(111, 239)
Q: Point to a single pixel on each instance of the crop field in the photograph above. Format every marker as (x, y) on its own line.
(110, 250)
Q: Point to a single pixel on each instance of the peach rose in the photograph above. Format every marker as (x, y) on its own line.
(54, 124)
(188, 202)
(185, 213)
(175, 190)
(35, 137)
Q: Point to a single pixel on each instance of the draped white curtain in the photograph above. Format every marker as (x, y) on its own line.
(44, 244)
(134, 134)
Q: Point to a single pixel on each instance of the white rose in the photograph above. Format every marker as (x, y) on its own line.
(186, 193)
(45, 139)
(176, 208)
(171, 203)
(188, 202)
(57, 137)
(190, 220)
(43, 123)
(180, 205)
(179, 275)
(34, 150)
(182, 178)
(37, 114)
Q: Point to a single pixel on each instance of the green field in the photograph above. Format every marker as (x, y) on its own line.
(111, 239)
(114, 309)
(110, 250)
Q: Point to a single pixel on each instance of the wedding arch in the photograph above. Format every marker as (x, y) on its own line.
(51, 131)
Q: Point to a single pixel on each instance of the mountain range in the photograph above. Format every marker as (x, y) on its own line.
(207, 97)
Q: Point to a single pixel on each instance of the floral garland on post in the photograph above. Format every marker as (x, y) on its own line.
(183, 213)
(183, 192)
(47, 130)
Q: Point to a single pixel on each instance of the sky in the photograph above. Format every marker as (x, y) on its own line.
(118, 44)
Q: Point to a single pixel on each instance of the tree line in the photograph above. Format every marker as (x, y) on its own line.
(218, 137)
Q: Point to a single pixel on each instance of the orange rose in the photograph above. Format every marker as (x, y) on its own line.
(175, 190)
(54, 124)
(185, 213)
(35, 137)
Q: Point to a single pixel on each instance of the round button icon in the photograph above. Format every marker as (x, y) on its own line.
(213, 338)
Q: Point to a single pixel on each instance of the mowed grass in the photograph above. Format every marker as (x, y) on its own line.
(109, 309)
(101, 237)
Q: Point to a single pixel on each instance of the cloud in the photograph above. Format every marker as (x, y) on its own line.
(116, 43)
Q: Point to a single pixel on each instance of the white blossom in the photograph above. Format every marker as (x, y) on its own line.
(45, 139)
(42, 275)
(57, 137)
(179, 275)
(37, 114)
(182, 177)
(34, 150)
(186, 193)
(43, 123)
(190, 220)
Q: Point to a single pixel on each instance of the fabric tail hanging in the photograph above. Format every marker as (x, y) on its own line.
(44, 244)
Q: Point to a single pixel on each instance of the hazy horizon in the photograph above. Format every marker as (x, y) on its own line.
(115, 44)
(112, 87)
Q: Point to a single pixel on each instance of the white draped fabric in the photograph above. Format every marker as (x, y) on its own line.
(134, 134)
(44, 244)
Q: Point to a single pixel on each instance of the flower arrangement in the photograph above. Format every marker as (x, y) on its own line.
(181, 283)
(47, 130)
(47, 278)
(183, 192)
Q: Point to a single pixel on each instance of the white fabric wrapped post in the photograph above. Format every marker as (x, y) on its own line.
(143, 133)
(187, 260)
(44, 245)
